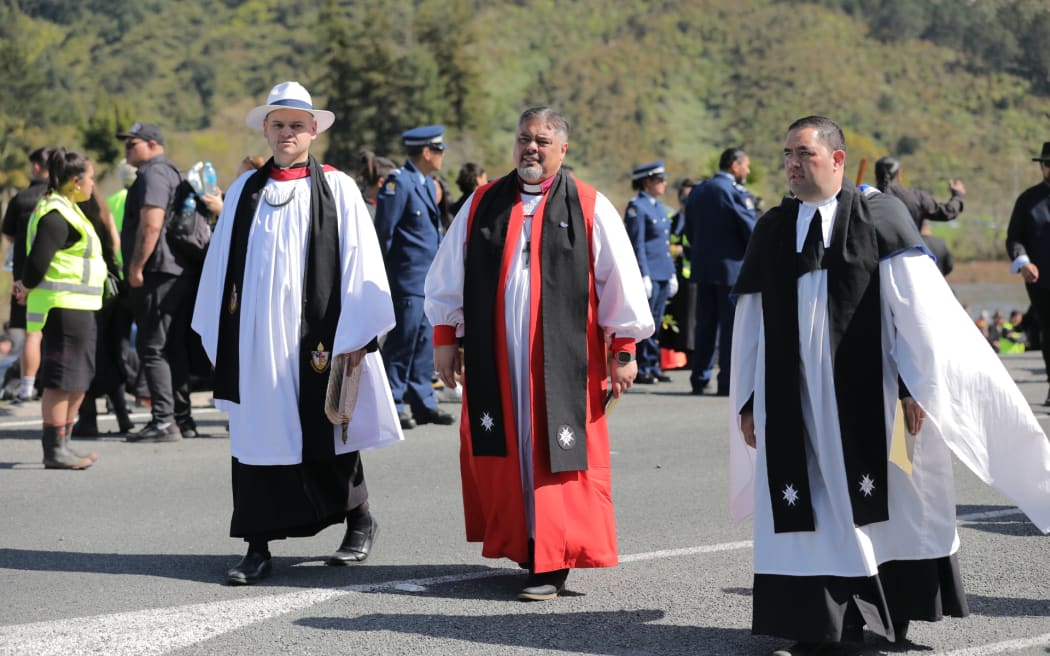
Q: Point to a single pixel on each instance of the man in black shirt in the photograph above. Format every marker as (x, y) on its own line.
(1028, 246)
(161, 285)
(16, 220)
(921, 204)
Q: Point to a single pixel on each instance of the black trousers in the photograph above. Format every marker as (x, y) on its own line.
(162, 309)
(1040, 297)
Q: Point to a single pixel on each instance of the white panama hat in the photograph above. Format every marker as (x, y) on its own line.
(289, 95)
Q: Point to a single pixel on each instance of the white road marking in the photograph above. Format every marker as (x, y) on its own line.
(139, 416)
(688, 551)
(162, 630)
(1000, 647)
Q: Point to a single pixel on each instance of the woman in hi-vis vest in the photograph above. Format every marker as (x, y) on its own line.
(62, 287)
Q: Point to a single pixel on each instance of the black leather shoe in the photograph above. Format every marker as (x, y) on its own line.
(405, 417)
(153, 433)
(357, 543)
(544, 586)
(436, 416)
(645, 379)
(187, 427)
(252, 568)
(663, 378)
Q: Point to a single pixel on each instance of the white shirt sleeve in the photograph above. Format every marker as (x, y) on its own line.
(443, 289)
(623, 309)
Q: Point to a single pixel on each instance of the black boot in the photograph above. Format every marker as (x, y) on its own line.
(56, 455)
(66, 434)
(120, 409)
(87, 419)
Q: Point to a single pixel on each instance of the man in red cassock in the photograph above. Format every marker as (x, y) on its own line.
(536, 277)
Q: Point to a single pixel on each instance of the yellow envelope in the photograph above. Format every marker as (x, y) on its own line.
(902, 446)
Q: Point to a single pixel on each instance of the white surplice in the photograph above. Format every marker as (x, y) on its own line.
(264, 426)
(623, 309)
(973, 409)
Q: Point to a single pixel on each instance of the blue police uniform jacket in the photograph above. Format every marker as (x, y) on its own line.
(407, 223)
(721, 216)
(649, 226)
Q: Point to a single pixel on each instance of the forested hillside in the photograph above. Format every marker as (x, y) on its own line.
(956, 89)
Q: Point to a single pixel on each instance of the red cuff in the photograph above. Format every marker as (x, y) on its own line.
(623, 344)
(445, 335)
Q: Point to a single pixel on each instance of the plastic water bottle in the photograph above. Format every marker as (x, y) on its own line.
(186, 214)
(211, 180)
(194, 177)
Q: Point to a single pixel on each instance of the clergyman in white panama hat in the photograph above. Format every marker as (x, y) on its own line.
(290, 95)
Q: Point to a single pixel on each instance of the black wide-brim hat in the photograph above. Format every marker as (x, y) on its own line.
(1045, 156)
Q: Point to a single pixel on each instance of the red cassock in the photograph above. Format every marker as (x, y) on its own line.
(574, 520)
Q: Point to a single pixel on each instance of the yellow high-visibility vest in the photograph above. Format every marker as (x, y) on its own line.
(75, 277)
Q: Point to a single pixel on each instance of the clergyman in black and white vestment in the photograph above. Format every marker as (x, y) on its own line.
(293, 285)
(841, 313)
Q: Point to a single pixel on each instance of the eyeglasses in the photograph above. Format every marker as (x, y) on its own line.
(129, 144)
(439, 147)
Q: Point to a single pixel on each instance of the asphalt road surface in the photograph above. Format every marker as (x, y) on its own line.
(127, 558)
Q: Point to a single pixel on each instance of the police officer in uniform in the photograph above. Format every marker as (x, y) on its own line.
(648, 223)
(721, 215)
(408, 221)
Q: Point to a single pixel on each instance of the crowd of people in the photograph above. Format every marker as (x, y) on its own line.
(543, 303)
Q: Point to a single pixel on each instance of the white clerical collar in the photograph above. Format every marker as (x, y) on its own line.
(533, 189)
(827, 208)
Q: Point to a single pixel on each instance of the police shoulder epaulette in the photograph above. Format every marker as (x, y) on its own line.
(390, 186)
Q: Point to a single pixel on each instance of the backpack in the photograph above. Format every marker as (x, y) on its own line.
(188, 238)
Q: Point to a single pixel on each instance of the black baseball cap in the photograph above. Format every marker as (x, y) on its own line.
(144, 131)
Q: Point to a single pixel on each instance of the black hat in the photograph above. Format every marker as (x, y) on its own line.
(144, 131)
(1045, 157)
(886, 168)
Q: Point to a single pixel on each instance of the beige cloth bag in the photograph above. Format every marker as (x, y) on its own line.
(344, 383)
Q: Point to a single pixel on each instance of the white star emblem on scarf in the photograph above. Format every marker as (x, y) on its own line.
(867, 485)
(566, 438)
(486, 422)
(790, 494)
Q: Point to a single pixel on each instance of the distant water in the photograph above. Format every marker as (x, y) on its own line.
(991, 296)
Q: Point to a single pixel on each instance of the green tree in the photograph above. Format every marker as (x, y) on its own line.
(26, 92)
(450, 30)
(14, 166)
(382, 77)
(360, 83)
(98, 134)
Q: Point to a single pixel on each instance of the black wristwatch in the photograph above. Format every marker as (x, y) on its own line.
(624, 357)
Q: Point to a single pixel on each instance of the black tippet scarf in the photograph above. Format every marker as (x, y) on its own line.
(865, 230)
(321, 305)
(564, 258)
